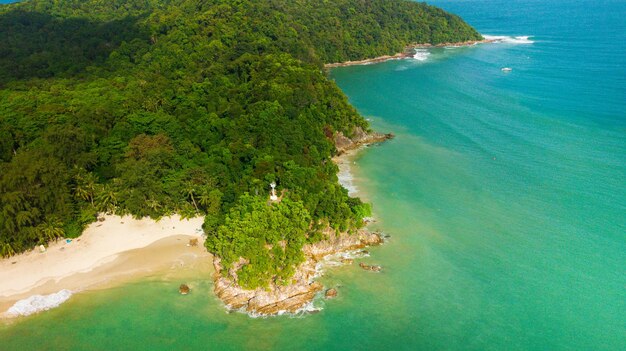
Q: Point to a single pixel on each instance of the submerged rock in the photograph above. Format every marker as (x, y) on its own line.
(373, 268)
(331, 293)
(347, 260)
(183, 289)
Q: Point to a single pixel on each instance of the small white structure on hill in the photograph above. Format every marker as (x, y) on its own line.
(273, 196)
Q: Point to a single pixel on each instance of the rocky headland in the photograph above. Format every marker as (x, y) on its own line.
(359, 138)
(407, 53)
(278, 299)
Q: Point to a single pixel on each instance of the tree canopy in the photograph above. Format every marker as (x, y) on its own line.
(154, 107)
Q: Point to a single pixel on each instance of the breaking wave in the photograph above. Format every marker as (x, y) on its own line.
(345, 178)
(509, 39)
(38, 303)
(309, 308)
(337, 259)
(421, 54)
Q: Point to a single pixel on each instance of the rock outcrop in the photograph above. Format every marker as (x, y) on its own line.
(183, 289)
(409, 51)
(347, 261)
(359, 138)
(294, 297)
(373, 268)
(398, 56)
(331, 293)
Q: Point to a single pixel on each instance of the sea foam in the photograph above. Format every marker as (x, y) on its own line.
(509, 39)
(308, 308)
(421, 54)
(346, 179)
(337, 259)
(38, 303)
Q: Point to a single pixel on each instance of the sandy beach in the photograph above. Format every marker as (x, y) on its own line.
(120, 249)
(345, 175)
(113, 250)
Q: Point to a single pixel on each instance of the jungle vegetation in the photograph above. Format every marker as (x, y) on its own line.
(155, 107)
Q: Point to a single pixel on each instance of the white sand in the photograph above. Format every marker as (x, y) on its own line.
(99, 245)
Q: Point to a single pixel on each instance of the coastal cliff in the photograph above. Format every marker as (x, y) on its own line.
(277, 299)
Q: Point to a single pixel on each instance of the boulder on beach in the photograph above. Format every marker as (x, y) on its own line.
(331, 293)
(183, 289)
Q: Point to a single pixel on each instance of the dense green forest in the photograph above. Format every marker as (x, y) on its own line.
(150, 108)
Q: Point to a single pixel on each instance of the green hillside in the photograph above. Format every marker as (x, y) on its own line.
(154, 107)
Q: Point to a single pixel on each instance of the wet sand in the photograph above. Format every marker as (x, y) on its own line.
(108, 253)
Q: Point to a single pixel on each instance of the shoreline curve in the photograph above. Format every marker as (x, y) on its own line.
(107, 251)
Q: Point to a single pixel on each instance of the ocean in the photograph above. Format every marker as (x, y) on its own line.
(504, 194)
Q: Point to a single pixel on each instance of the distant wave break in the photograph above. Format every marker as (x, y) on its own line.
(524, 39)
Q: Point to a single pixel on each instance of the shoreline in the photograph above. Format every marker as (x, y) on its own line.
(300, 295)
(347, 176)
(406, 54)
(106, 254)
(118, 250)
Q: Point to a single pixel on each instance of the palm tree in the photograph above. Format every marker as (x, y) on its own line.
(80, 192)
(85, 187)
(106, 199)
(210, 200)
(153, 204)
(90, 184)
(51, 229)
(6, 250)
(187, 212)
(204, 199)
(25, 218)
(189, 191)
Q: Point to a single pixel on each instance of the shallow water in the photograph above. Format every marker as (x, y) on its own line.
(503, 192)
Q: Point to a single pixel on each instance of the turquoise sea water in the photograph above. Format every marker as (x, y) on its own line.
(504, 193)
